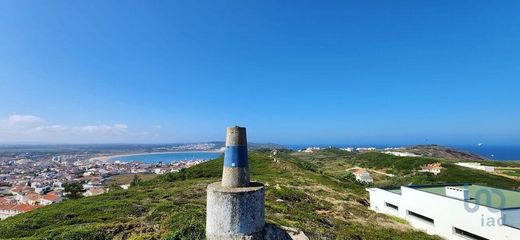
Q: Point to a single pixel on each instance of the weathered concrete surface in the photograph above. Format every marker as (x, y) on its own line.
(236, 136)
(235, 213)
(235, 177)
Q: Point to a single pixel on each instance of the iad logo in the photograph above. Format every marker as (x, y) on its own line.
(485, 197)
(492, 221)
(491, 197)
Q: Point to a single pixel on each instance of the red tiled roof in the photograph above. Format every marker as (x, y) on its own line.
(51, 197)
(97, 190)
(33, 196)
(18, 208)
(53, 193)
(360, 171)
(24, 207)
(5, 207)
(432, 166)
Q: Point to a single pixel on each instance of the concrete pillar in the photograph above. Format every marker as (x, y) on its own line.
(236, 166)
(235, 206)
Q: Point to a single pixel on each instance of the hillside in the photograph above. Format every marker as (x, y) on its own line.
(437, 151)
(311, 192)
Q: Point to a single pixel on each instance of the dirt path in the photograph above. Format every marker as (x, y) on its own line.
(372, 170)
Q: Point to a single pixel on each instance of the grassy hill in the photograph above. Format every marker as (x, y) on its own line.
(447, 153)
(305, 191)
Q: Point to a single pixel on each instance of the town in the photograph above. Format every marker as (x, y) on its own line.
(30, 180)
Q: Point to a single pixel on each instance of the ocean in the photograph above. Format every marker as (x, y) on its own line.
(502, 153)
(493, 152)
(152, 158)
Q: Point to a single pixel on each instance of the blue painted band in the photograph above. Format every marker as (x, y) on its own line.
(235, 156)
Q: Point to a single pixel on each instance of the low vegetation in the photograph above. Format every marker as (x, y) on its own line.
(312, 192)
(391, 164)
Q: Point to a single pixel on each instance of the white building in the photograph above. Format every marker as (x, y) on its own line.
(12, 210)
(363, 176)
(401, 154)
(365, 149)
(458, 212)
(310, 149)
(50, 198)
(477, 166)
(434, 168)
(348, 149)
(159, 171)
(94, 192)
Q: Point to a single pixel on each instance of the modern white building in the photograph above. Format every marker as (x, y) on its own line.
(477, 166)
(458, 212)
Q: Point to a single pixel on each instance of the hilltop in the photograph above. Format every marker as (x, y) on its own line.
(312, 192)
(437, 151)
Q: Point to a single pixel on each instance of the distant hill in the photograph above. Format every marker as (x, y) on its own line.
(437, 151)
(252, 145)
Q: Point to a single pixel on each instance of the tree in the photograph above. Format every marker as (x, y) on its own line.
(136, 181)
(73, 190)
(348, 176)
(114, 186)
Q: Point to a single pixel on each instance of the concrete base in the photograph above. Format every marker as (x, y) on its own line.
(235, 213)
(235, 177)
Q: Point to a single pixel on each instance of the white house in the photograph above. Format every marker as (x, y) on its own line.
(94, 192)
(12, 210)
(401, 154)
(365, 149)
(458, 212)
(477, 166)
(50, 198)
(348, 149)
(434, 168)
(310, 149)
(31, 198)
(363, 176)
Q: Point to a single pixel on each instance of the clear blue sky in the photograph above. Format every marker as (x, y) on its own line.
(394, 72)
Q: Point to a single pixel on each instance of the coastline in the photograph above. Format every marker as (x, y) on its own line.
(108, 158)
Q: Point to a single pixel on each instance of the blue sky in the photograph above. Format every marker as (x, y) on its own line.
(356, 72)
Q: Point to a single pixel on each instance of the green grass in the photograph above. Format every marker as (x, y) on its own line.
(306, 191)
(514, 173)
(392, 164)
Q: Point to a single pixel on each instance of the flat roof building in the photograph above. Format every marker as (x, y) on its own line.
(453, 211)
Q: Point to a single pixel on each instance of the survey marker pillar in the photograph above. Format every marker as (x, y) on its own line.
(236, 164)
(235, 206)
